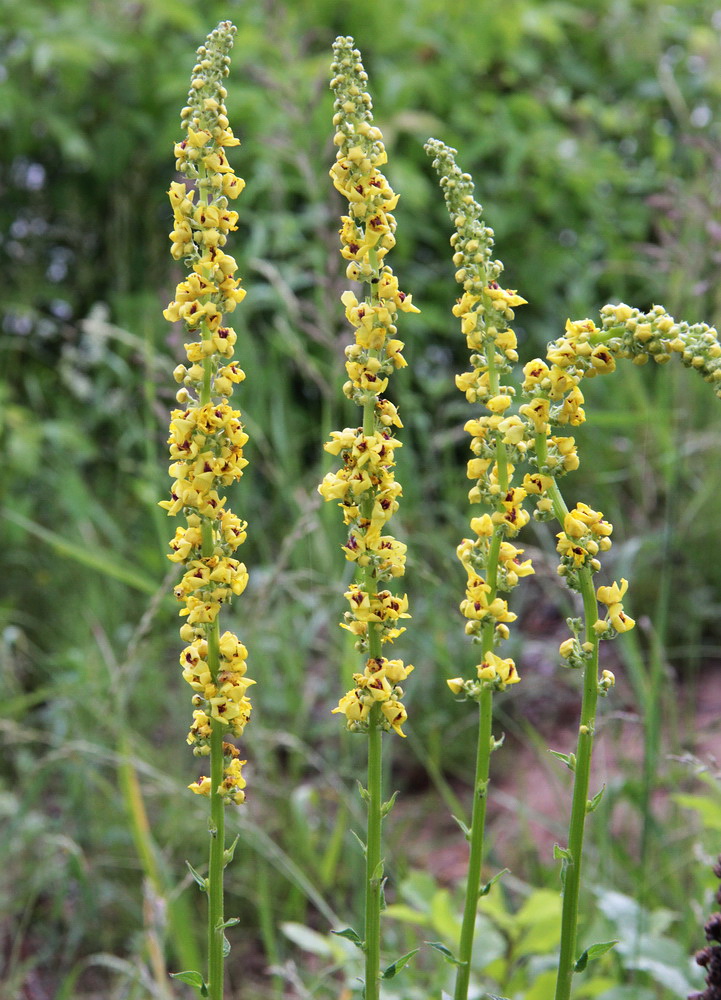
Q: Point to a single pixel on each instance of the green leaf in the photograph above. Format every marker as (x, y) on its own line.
(592, 804)
(706, 807)
(446, 952)
(406, 914)
(387, 806)
(94, 559)
(202, 882)
(350, 935)
(192, 979)
(395, 967)
(538, 921)
(229, 923)
(362, 844)
(464, 828)
(378, 871)
(444, 916)
(308, 939)
(569, 759)
(364, 793)
(496, 744)
(226, 947)
(566, 859)
(230, 851)
(593, 951)
(485, 889)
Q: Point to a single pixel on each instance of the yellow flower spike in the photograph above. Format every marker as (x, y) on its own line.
(206, 453)
(365, 487)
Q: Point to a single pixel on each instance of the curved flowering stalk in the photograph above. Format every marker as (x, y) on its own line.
(554, 397)
(206, 451)
(364, 486)
(498, 441)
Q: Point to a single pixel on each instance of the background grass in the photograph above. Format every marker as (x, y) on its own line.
(592, 131)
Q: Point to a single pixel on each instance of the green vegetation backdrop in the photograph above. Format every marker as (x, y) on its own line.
(593, 131)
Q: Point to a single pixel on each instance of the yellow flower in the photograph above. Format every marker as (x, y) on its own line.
(613, 594)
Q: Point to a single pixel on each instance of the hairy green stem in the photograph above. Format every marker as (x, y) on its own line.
(572, 864)
(579, 805)
(485, 742)
(477, 830)
(374, 867)
(216, 864)
(216, 934)
(216, 825)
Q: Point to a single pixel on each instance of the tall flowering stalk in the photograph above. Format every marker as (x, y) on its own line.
(588, 350)
(552, 400)
(364, 486)
(554, 397)
(498, 442)
(206, 451)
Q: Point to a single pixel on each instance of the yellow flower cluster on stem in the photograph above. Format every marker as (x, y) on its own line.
(364, 486)
(554, 397)
(503, 437)
(492, 562)
(206, 451)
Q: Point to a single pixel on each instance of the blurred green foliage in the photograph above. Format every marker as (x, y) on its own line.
(593, 131)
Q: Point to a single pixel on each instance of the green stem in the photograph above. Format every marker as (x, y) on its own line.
(374, 865)
(374, 868)
(216, 866)
(584, 749)
(485, 742)
(216, 863)
(475, 861)
(576, 830)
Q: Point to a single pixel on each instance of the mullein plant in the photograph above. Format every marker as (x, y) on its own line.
(492, 562)
(364, 486)
(206, 451)
(500, 440)
(553, 397)
(552, 400)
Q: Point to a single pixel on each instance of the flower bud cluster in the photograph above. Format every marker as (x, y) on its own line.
(367, 233)
(641, 336)
(502, 438)
(206, 434)
(499, 439)
(364, 486)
